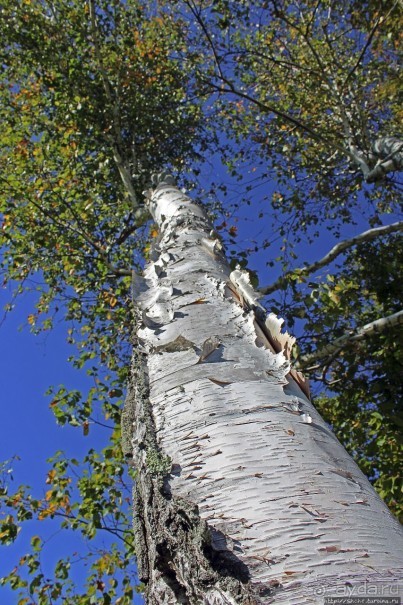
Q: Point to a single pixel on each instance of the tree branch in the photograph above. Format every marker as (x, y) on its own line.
(389, 151)
(271, 109)
(79, 232)
(338, 249)
(196, 14)
(379, 21)
(116, 140)
(349, 338)
(231, 88)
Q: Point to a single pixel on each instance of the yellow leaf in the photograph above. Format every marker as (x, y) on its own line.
(46, 512)
(51, 476)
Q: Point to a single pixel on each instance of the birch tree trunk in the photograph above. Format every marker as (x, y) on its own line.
(244, 495)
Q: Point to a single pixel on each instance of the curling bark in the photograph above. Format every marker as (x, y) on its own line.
(244, 495)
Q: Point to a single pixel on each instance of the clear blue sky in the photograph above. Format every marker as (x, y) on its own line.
(29, 365)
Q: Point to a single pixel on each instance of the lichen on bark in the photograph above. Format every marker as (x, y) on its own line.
(179, 559)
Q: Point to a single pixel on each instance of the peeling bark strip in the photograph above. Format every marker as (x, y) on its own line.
(244, 495)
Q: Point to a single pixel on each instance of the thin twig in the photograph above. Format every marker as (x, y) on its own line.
(338, 249)
(351, 337)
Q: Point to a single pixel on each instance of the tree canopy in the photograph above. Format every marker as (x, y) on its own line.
(299, 100)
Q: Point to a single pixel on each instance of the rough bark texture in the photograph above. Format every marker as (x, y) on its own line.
(388, 152)
(244, 495)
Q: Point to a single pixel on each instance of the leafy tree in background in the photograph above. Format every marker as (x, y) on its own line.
(97, 96)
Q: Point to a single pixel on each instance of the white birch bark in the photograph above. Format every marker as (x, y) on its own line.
(388, 152)
(385, 156)
(244, 494)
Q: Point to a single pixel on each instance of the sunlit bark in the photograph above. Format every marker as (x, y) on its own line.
(244, 495)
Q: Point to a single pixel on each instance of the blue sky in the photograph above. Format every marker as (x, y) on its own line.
(30, 364)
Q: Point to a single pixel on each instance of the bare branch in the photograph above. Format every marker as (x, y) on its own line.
(272, 109)
(338, 249)
(349, 338)
(196, 14)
